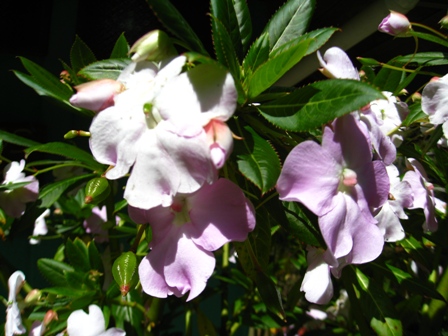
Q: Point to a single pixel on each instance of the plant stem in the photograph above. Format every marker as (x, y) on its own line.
(430, 29)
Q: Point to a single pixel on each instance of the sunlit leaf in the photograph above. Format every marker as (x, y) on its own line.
(110, 68)
(80, 55)
(121, 48)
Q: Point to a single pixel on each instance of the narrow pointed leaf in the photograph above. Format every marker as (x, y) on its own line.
(121, 48)
(257, 160)
(258, 54)
(54, 271)
(430, 37)
(319, 103)
(80, 55)
(289, 22)
(16, 139)
(280, 61)
(77, 254)
(244, 22)
(174, 22)
(317, 37)
(68, 151)
(431, 58)
(110, 68)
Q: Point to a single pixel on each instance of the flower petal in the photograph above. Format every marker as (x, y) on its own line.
(81, 324)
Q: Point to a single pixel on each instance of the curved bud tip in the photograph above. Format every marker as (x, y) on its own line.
(154, 46)
(96, 95)
(395, 24)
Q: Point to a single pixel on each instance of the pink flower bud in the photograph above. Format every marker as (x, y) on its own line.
(96, 95)
(395, 24)
(220, 140)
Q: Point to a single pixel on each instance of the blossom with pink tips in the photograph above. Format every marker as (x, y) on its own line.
(339, 183)
(156, 126)
(336, 64)
(13, 201)
(185, 234)
(96, 95)
(395, 24)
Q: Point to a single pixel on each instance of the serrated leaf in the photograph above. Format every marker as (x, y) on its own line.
(17, 140)
(54, 271)
(121, 48)
(289, 22)
(376, 306)
(175, 23)
(44, 82)
(258, 54)
(279, 62)
(319, 103)
(257, 160)
(431, 58)
(317, 37)
(300, 226)
(51, 192)
(110, 68)
(80, 55)
(261, 238)
(68, 151)
(244, 22)
(78, 255)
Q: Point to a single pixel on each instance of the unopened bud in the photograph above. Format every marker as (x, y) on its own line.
(220, 140)
(96, 95)
(444, 22)
(97, 189)
(33, 296)
(50, 315)
(154, 46)
(416, 96)
(124, 271)
(395, 24)
(73, 134)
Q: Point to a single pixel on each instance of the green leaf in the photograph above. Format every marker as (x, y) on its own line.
(413, 284)
(257, 160)
(67, 150)
(318, 38)
(260, 238)
(54, 271)
(51, 192)
(431, 58)
(95, 260)
(417, 251)
(280, 61)
(44, 82)
(121, 48)
(110, 68)
(289, 22)
(244, 22)
(376, 306)
(389, 79)
(430, 37)
(80, 55)
(319, 103)
(205, 326)
(300, 226)
(174, 22)
(68, 291)
(77, 254)
(13, 186)
(16, 139)
(415, 115)
(257, 55)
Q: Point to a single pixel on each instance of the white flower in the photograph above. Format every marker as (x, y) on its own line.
(13, 325)
(40, 227)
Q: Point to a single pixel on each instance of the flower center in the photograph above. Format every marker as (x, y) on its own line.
(349, 177)
(181, 211)
(152, 115)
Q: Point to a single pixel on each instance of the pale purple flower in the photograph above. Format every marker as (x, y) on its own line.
(92, 324)
(389, 215)
(157, 127)
(40, 227)
(423, 193)
(336, 64)
(37, 329)
(13, 324)
(94, 224)
(96, 95)
(185, 234)
(435, 102)
(13, 202)
(339, 182)
(395, 24)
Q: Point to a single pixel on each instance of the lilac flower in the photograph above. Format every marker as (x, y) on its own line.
(185, 234)
(389, 215)
(94, 224)
(157, 127)
(423, 194)
(13, 201)
(435, 102)
(92, 324)
(336, 64)
(13, 324)
(339, 182)
(395, 24)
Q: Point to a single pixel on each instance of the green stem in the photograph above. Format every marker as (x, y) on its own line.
(131, 304)
(266, 200)
(388, 66)
(113, 242)
(138, 237)
(430, 29)
(188, 328)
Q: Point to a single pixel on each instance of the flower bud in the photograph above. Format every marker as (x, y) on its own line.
(154, 46)
(219, 138)
(33, 296)
(444, 22)
(96, 95)
(124, 271)
(50, 315)
(395, 24)
(97, 189)
(74, 133)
